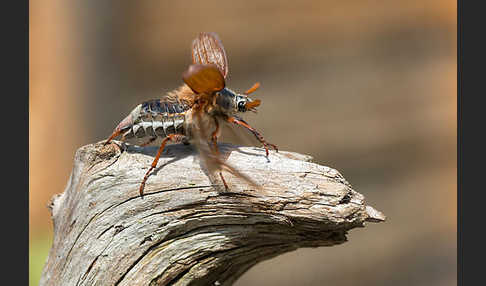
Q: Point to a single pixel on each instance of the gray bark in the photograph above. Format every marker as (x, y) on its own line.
(185, 230)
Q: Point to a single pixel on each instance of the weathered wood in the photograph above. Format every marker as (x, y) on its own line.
(185, 231)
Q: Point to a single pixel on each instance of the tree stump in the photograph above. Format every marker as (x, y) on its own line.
(185, 230)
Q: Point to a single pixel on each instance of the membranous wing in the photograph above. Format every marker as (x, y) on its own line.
(208, 49)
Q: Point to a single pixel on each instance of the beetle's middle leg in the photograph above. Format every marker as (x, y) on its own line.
(214, 140)
(171, 137)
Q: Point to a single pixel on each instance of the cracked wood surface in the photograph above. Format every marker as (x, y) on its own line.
(186, 231)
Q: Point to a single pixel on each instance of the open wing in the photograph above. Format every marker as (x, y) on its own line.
(208, 49)
(213, 162)
(205, 76)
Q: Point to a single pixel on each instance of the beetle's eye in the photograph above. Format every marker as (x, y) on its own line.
(241, 106)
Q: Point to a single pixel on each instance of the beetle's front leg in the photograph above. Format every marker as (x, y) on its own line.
(241, 122)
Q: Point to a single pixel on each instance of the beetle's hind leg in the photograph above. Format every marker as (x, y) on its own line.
(115, 134)
(123, 126)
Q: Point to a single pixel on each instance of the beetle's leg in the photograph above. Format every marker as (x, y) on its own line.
(214, 137)
(214, 140)
(113, 135)
(171, 137)
(224, 181)
(124, 125)
(241, 122)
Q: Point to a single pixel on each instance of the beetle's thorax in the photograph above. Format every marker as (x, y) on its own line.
(226, 100)
(231, 102)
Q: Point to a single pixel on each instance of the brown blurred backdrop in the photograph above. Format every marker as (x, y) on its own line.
(366, 87)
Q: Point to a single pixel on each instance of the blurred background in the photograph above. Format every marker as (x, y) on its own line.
(365, 87)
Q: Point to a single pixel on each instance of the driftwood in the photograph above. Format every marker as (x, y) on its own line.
(186, 231)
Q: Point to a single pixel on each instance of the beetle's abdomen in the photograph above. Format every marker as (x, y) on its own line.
(157, 118)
